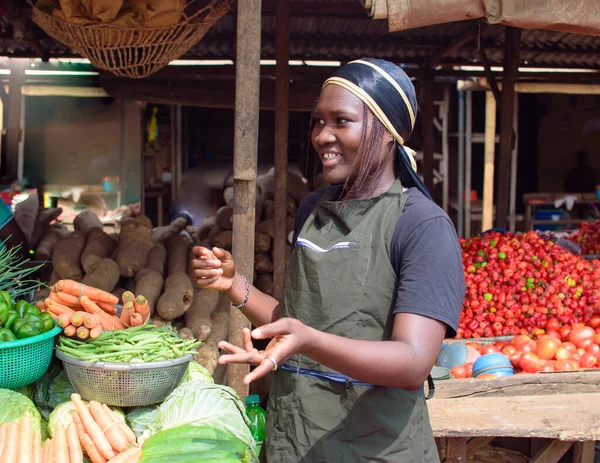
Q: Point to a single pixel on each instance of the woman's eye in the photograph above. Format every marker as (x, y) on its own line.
(320, 121)
(341, 120)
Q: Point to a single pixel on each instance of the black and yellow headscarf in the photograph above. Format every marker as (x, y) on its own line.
(390, 95)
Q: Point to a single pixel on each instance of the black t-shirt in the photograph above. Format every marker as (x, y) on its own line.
(426, 257)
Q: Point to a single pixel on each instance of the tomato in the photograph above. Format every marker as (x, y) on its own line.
(469, 368)
(508, 350)
(486, 376)
(488, 349)
(594, 321)
(546, 348)
(564, 332)
(588, 360)
(569, 346)
(530, 362)
(581, 352)
(552, 325)
(597, 339)
(564, 365)
(474, 345)
(514, 358)
(582, 336)
(594, 349)
(524, 343)
(562, 353)
(459, 372)
(553, 334)
(547, 368)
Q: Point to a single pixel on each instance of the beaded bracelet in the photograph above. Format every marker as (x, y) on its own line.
(247, 294)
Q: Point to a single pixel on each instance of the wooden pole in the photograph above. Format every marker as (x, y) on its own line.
(428, 139)
(282, 96)
(245, 154)
(488, 168)
(512, 212)
(511, 74)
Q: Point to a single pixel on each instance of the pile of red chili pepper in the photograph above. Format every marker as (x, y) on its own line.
(520, 284)
(587, 237)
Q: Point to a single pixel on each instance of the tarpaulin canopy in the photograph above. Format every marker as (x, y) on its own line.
(575, 16)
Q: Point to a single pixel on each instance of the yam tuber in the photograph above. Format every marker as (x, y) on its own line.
(178, 252)
(205, 228)
(225, 217)
(45, 247)
(164, 234)
(262, 242)
(228, 195)
(103, 275)
(66, 257)
(86, 221)
(263, 263)
(186, 333)
(149, 283)
(99, 245)
(268, 226)
(198, 316)
(25, 215)
(135, 243)
(291, 206)
(268, 209)
(157, 257)
(264, 282)
(177, 298)
(42, 224)
(223, 240)
(208, 354)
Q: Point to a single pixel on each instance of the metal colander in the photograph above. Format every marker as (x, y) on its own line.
(124, 384)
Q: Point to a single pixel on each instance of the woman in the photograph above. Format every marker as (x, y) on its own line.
(374, 283)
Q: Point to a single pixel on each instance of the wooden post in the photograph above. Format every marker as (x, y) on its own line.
(583, 452)
(456, 450)
(488, 169)
(428, 139)
(282, 95)
(245, 154)
(511, 74)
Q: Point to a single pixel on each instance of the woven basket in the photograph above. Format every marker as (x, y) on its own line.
(132, 52)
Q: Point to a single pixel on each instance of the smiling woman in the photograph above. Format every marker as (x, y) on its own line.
(373, 285)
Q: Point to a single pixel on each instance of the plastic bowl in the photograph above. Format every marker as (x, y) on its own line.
(495, 363)
(453, 355)
(24, 361)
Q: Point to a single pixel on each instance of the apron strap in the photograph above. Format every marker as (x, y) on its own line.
(430, 387)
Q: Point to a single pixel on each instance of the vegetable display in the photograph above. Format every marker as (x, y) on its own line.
(587, 237)
(21, 320)
(518, 284)
(142, 344)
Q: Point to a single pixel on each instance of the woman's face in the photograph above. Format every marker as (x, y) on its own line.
(336, 136)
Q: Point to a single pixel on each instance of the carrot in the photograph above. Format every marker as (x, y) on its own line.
(48, 451)
(116, 437)
(3, 430)
(129, 456)
(126, 312)
(69, 331)
(116, 419)
(95, 332)
(25, 444)
(64, 320)
(86, 441)
(11, 448)
(83, 333)
(78, 289)
(75, 452)
(41, 306)
(142, 307)
(77, 318)
(60, 308)
(108, 308)
(68, 299)
(37, 447)
(127, 296)
(92, 428)
(90, 320)
(108, 322)
(60, 449)
(136, 320)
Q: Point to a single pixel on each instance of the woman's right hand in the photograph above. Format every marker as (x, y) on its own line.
(213, 268)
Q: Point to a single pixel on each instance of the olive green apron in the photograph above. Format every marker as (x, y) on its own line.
(340, 280)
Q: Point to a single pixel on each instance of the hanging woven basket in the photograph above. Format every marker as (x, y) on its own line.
(134, 52)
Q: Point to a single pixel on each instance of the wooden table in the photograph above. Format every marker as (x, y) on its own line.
(532, 200)
(469, 413)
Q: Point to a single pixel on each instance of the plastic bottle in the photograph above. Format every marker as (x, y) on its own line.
(258, 420)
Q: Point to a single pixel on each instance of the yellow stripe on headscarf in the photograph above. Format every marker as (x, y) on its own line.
(374, 107)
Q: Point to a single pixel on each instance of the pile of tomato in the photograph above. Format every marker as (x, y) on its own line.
(587, 237)
(522, 284)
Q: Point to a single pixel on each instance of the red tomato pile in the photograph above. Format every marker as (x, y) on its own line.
(568, 349)
(521, 284)
(588, 237)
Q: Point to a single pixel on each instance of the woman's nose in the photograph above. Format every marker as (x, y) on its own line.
(325, 136)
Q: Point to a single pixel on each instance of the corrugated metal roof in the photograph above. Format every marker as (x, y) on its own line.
(341, 30)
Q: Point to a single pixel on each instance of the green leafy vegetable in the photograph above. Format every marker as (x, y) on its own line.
(196, 372)
(140, 418)
(62, 414)
(14, 405)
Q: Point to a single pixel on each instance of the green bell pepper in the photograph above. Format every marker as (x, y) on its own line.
(46, 318)
(3, 312)
(35, 321)
(6, 335)
(5, 296)
(12, 317)
(31, 309)
(27, 330)
(18, 323)
(20, 307)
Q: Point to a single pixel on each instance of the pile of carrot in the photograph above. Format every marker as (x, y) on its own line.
(71, 303)
(18, 443)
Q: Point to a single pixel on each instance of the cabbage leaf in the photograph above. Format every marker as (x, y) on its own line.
(14, 405)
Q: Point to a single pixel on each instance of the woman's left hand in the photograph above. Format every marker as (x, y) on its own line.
(288, 338)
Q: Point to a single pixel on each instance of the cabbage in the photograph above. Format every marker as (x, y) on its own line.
(196, 372)
(60, 390)
(63, 414)
(14, 405)
(196, 406)
(52, 389)
(140, 418)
